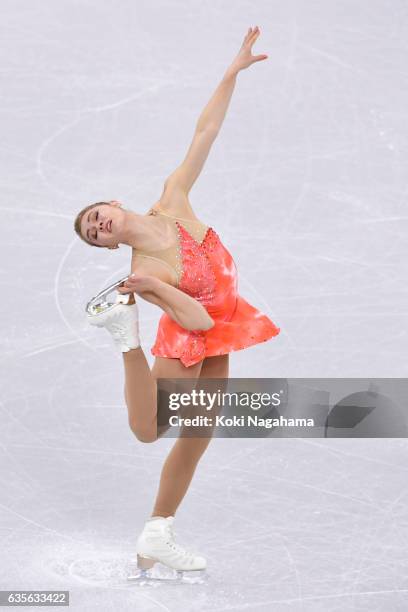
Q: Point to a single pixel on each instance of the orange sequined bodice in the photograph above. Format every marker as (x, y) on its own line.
(207, 272)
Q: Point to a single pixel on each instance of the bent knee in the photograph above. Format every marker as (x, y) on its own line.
(147, 439)
(144, 435)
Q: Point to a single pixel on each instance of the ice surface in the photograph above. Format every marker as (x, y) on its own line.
(306, 185)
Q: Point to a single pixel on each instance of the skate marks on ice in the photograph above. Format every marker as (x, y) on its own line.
(115, 571)
(92, 568)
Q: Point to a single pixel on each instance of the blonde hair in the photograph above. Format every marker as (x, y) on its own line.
(78, 221)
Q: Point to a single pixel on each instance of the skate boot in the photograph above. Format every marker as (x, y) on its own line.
(118, 315)
(156, 544)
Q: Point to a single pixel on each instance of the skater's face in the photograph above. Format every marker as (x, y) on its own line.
(102, 224)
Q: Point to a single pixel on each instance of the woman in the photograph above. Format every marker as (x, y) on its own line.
(181, 265)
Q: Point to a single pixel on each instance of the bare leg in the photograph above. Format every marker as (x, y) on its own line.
(140, 395)
(140, 382)
(180, 465)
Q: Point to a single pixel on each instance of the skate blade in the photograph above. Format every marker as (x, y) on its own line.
(101, 303)
(159, 572)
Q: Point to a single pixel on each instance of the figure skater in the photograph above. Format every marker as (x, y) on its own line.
(181, 265)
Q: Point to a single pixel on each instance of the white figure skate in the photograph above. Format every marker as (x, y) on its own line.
(156, 545)
(119, 316)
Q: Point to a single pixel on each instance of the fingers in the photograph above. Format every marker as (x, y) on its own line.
(125, 290)
(129, 285)
(258, 58)
(252, 34)
(137, 283)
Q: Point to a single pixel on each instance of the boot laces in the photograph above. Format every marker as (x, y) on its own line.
(118, 330)
(177, 547)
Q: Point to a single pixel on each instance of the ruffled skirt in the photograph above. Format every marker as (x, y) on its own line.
(244, 328)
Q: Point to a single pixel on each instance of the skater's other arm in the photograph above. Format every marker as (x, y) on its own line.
(210, 121)
(182, 308)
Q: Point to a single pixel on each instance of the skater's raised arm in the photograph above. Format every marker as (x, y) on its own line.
(211, 119)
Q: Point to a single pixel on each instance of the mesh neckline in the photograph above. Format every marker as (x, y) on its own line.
(176, 243)
(154, 211)
(171, 256)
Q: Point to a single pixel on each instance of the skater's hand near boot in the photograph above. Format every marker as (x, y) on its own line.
(182, 308)
(148, 287)
(138, 283)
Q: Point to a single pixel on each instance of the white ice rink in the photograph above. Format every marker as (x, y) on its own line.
(306, 185)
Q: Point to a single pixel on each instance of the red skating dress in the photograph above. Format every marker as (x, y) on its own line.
(206, 271)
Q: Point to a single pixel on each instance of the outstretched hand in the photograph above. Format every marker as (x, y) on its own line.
(245, 57)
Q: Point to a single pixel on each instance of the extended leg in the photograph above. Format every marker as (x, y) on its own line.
(156, 541)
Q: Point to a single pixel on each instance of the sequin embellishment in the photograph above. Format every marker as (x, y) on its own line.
(198, 280)
(197, 277)
(194, 348)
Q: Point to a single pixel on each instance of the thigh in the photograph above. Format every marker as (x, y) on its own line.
(171, 368)
(174, 368)
(215, 367)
